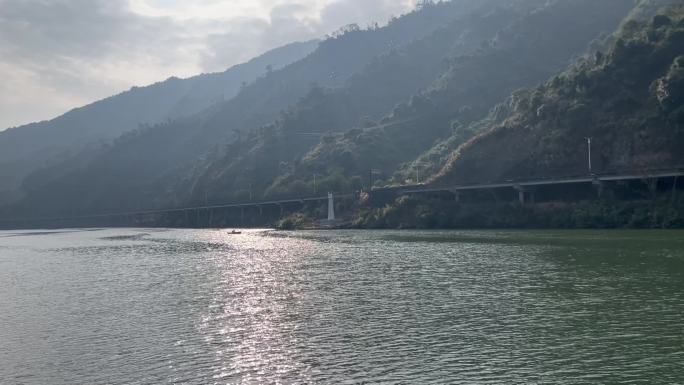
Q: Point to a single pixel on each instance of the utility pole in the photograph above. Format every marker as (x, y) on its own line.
(589, 152)
(417, 167)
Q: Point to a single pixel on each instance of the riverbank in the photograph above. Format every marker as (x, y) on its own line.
(418, 213)
(431, 213)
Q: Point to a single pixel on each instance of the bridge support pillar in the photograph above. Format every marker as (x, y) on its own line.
(521, 194)
(674, 188)
(457, 195)
(525, 195)
(599, 186)
(261, 210)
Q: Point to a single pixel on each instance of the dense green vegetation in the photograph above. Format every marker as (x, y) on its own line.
(434, 160)
(628, 100)
(428, 213)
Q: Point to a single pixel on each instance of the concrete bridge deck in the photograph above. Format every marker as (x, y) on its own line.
(596, 178)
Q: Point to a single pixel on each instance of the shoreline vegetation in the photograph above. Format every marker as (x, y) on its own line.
(663, 212)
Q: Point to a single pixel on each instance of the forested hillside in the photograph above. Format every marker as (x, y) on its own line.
(432, 161)
(514, 55)
(275, 160)
(27, 148)
(630, 101)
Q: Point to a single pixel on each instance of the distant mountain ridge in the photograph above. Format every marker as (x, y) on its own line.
(26, 148)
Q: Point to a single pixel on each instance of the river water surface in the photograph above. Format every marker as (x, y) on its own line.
(133, 306)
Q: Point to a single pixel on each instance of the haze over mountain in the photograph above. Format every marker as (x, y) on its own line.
(60, 54)
(26, 148)
(413, 100)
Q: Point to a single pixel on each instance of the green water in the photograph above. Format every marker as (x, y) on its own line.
(138, 306)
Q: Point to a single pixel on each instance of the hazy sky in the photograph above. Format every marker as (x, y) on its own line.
(60, 54)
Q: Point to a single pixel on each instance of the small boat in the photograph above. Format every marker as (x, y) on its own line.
(235, 232)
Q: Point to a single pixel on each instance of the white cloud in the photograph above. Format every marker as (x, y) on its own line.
(60, 54)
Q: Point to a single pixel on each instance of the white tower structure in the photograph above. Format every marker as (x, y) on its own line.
(331, 207)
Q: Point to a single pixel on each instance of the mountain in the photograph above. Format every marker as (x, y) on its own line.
(154, 166)
(275, 162)
(432, 161)
(630, 101)
(523, 44)
(374, 99)
(27, 148)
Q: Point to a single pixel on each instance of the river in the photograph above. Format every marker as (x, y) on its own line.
(143, 306)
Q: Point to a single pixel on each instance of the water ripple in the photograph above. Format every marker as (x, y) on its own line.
(205, 307)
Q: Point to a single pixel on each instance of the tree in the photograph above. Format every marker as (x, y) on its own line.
(349, 28)
(661, 21)
(422, 4)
